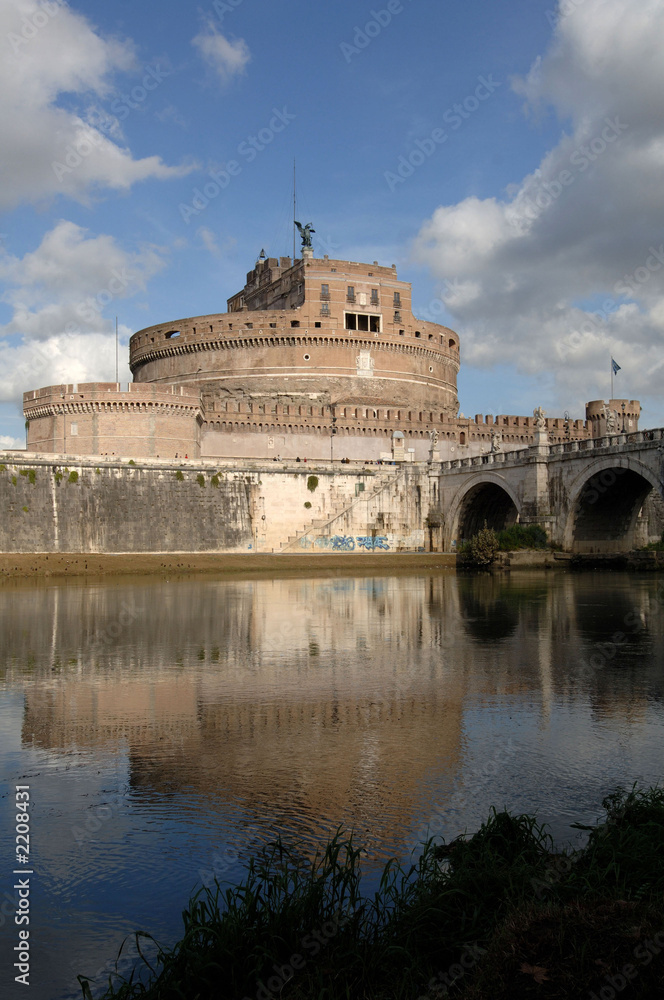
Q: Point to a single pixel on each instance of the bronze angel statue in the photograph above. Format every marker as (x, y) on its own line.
(305, 234)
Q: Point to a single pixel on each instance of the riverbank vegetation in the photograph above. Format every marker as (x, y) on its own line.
(654, 546)
(482, 549)
(497, 915)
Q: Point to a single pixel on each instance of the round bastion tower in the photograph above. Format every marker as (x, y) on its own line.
(307, 349)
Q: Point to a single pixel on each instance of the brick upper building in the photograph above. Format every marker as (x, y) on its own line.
(315, 358)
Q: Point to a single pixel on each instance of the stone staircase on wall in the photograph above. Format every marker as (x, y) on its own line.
(341, 507)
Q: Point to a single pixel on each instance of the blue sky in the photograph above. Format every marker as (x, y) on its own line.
(508, 158)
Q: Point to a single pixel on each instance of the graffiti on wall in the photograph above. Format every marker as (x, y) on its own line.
(346, 543)
(371, 543)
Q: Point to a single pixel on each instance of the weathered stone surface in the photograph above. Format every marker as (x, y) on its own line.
(119, 509)
(596, 496)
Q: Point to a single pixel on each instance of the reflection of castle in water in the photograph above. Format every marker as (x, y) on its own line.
(332, 694)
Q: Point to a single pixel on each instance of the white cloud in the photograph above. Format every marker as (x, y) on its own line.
(60, 294)
(65, 357)
(209, 241)
(227, 58)
(50, 52)
(69, 281)
(170, 114)
(560, 273)
(10, 443)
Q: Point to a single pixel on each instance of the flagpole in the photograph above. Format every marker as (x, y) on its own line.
(611, 367)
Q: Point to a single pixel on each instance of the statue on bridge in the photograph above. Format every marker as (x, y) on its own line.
(611, 418)
(496, 442)
(540, 418)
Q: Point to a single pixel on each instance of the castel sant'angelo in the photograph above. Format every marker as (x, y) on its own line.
(314, 358)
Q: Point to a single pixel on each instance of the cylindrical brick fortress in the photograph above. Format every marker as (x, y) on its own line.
(315, 358)
(268, 356)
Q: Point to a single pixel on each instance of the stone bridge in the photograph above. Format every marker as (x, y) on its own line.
(596, 496)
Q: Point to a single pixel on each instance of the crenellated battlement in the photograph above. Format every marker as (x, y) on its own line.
(315, 357)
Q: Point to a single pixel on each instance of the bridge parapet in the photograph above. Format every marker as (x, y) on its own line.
(592, 496)
(520, 455)
(608, 441)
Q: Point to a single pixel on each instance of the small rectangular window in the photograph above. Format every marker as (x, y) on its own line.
(374, 296)
(397, 300)
(351, 321)
(363, 322)
(397, 317)
(325, 308)
(350, 295)
(324, 291)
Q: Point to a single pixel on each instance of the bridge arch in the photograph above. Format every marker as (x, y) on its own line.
(486, 497)
(605, 501)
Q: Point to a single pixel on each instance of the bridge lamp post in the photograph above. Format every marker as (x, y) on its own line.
(623, 412)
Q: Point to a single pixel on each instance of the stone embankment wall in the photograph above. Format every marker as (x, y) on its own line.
(92, 508)
(99, 506)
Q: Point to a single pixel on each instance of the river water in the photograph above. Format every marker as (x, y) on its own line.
(166, 728)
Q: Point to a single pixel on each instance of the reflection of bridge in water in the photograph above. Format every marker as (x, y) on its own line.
(596, 496)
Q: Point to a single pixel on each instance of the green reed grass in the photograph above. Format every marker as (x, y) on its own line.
(504, 890)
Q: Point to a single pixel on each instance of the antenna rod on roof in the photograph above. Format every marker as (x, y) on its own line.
(117, 375)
